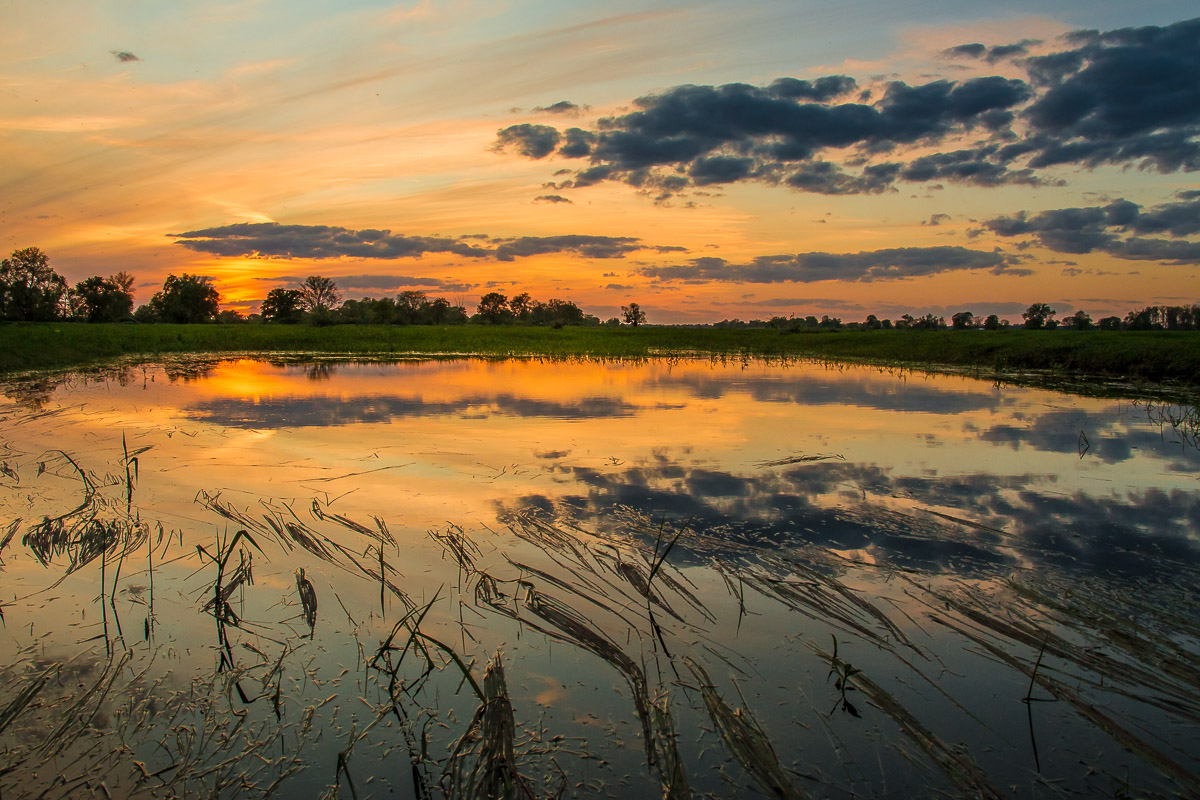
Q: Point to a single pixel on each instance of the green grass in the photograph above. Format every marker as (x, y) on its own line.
(1155, 356)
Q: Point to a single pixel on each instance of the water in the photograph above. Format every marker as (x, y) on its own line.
(1001, 579)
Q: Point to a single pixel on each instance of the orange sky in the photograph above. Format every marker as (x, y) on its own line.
(135, 122)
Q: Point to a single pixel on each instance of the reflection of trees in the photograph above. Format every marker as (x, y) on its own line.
(320, 370)
(33, 393)
(189, 371)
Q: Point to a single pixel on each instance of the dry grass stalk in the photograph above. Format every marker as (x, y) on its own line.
(483, 763)
(746, 740)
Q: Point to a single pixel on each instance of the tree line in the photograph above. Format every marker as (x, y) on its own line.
(1039, 316)
(31, 290)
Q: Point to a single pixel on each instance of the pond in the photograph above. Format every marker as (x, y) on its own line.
(529, 578)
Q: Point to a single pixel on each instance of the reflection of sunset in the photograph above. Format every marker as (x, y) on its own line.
(429, 428)
(894, 515)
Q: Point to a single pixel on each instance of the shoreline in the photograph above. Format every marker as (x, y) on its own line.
(1163, 363)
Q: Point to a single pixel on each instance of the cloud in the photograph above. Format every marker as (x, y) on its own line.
(620, 286)
(972, 50)
(551, 198)
(1119, 228)
(273, 240)
(936, 219)
(532, 141)
(561, 107)
(587, 246)
(703, 135)
(124, 56)
(992, 54)
(1002, 51)
(1126, 97)
(864, 267)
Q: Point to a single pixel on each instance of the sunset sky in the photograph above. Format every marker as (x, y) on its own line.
(706, 160)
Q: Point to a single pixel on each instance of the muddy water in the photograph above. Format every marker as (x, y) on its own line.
(699, 578)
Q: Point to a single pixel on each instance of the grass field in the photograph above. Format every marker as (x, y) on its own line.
(1151, 356)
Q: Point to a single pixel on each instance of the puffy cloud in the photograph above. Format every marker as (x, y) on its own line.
(124, 56)
(1125, 96)
(553, 199)
(1129, 96)
(866, 266)
(533, 141)
(1118, 228)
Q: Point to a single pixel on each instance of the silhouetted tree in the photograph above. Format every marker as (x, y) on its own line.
(992, 323)
(1079, 321)
(1148, 319)
(633, 314)
(1038, 316)
(1110, 324)
(283, 305)
(872, 323)
(30, 289)
(186, 299)
(319, 293)
(493, 307)
(441, 311)
(521, 306)
(963, 320)
(101, 300)
(556, 313)
(409, 306)
(1179, 318)
(124, 280)
(383, 311)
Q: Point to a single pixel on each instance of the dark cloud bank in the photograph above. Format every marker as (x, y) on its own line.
(1122, 97)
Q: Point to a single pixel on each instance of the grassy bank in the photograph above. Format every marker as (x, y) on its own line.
(1155, 356)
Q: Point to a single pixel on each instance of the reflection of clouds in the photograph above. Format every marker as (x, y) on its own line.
(839, 390)
(301, 412)
(1059, 432)
(1135, 534)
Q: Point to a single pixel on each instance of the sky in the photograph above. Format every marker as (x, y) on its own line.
(708, 161)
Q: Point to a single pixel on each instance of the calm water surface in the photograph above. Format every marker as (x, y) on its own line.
(689, 577)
